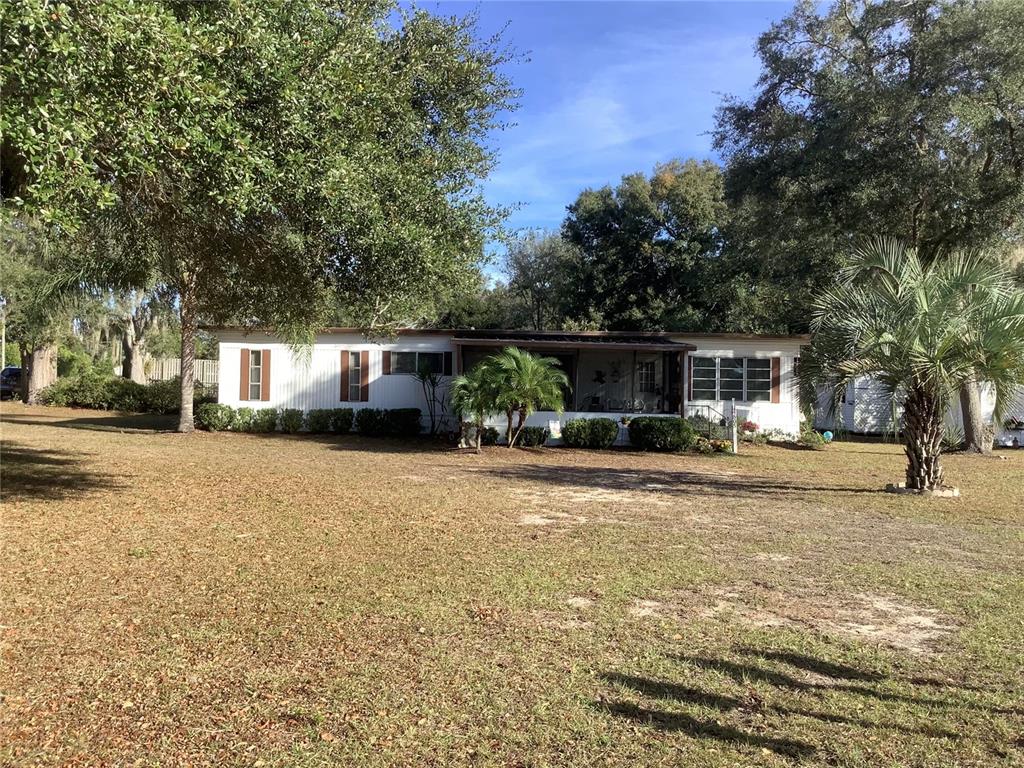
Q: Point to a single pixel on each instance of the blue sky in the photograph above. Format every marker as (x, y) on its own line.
(611, 88)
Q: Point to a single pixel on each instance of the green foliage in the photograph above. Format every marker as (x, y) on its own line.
(215, 417)
(655, 433)
(72, 361)
(95, 389)
(242, 419)
(402, 422)
(530, 437)
(543, 272)
(164, 396)
(888, 117)
(264, 420)
(371, 422)
(590, 433)
(649, 251)
(342, 420)
(318, 420)
(922, 331)
(291, 420)
(810, 438)
(523, 383)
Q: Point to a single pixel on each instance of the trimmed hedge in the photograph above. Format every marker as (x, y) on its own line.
(402, 422)
(342, 420)
(263, 420)
(590, 433)
(216, 417)
(653, 433)
(370, 422)
(292, 420)
(533, 436)
(242, 420)
(330, 420)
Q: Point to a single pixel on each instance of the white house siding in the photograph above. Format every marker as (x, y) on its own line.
(310, 378)
(785, 414)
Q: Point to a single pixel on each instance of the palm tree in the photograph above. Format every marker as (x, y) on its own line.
(526, 383)
(475, 394)
(922, 331)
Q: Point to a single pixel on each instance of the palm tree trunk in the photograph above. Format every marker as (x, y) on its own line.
(922, 437)
(189, 326)
(508, 429)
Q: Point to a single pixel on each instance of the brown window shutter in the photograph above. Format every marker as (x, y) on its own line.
(776, 378)
(689, 383)
(385, 357)
(344, 375)
(243, 388)
(364, 376)
(447, 370)
(265, 375)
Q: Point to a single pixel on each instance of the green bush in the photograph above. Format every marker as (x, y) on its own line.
(533, 436)
(342, 420)
(73, 362)
(242, 420)
(370, 422)
(95, 389)
(216, 417)
(489, 436)
(590, 433)
(402, 422)
(264, 420)
(654, 433)
(318, 420)
(811, 439)
(127, 395)
(164, 396)
(292, 420)
(703, 445)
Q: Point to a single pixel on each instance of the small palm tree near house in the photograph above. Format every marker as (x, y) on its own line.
(526, 383)
(921, 330)
(475, 394)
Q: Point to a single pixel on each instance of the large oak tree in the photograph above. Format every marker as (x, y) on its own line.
(264, 160)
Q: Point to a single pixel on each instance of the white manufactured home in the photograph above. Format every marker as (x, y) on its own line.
(611, 374)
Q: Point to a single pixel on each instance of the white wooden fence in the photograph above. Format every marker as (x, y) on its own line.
(205, 372)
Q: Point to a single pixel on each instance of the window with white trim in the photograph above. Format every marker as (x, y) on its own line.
(255, 374)
(355, 377)
(748, 379)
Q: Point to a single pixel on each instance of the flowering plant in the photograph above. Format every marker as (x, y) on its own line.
(749, 426)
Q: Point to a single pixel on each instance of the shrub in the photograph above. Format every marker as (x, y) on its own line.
(264, 420)
(127, 395)
(215, 417)
(241, 421)
(811, 439)
(703, 445)
(590, 433)
(721, 446)
(402, 422)
(342, 420)
(292, 420)
(165, 396)
(749, 426)
(653, 433)
(318, 420)
(370, 422)
(488, 436)
(95, 389)
(530, 437)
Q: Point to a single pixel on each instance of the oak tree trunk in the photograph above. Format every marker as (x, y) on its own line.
(922, 438)
(189, 326)
(133, 358)
(40, 364)
(978, 437)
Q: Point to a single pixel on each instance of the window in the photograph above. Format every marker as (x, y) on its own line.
(414, 362)
(759, 379)
(705, 378)
(354, 377)
(645, 376)
(255, 374)
(732, 378)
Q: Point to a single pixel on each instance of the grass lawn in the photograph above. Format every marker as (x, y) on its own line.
(221, 599)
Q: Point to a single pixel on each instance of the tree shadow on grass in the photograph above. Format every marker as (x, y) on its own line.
(679, 482)
(43, 473)
(113, 422)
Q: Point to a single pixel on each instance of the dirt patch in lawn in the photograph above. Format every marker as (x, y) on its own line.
(872, 618)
